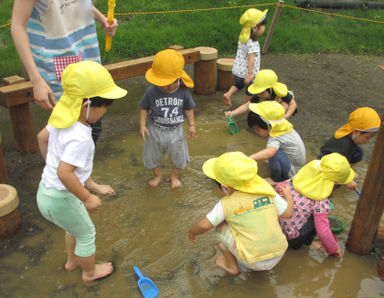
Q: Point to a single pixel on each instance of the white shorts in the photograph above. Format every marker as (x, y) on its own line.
(163, 140)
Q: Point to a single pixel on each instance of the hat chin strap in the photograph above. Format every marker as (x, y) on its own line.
(88, 108)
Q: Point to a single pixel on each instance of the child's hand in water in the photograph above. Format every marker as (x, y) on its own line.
(93, 203)
(352, 185)
(191, 236)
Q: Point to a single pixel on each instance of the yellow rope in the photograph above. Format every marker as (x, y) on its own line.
(193, 10)
(238, 6)
(333, 14)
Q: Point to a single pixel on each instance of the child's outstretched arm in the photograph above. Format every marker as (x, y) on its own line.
(238, 111)
(189, 114)
(42, 141)
(199, 228)
(291, 108)
(264, 154)
(67, 176)
(143, 123)
(325, 234)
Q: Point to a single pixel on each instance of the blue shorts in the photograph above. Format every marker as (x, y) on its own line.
(68, 212)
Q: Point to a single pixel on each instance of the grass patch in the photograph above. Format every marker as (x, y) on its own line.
(297, 31)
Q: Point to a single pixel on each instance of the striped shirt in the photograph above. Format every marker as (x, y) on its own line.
(61, 32)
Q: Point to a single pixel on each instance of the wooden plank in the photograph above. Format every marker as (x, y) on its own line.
(14, 95)
(21, 93)
(370, 206)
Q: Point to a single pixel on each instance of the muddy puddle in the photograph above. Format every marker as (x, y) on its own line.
(148, 227)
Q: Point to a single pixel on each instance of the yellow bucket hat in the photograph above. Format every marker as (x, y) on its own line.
(167, 67)
(265, 79)
(316, 179)
(363, 119)
(273, 114)
(249, 19)
(80, 80)
(239, 171)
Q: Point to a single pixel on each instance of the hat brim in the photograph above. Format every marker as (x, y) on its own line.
(113, 93)
(208, 168)
(256, 186)
(343, 131)
(165, 80)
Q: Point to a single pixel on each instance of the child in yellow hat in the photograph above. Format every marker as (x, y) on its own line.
(285, 150)
(246, 218)
(310, 189)
(64, 196)
(267, 87)
(364, 123)
(168, 102)
(247, 61)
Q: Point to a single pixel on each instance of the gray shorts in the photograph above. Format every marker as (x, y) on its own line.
(165, 140)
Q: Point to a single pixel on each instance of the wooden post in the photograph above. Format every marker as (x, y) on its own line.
(205, 70)
(272, 27)
(224, 74)
(3, 167)
(370, 206)
(21, 122)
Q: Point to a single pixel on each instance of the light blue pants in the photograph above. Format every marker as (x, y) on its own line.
(69, 213)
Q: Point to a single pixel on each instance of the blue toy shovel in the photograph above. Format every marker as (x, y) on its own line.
(232, 126)
(146, 285)
(358, 192)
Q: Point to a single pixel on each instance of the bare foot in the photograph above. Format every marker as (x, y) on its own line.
(154, 181)
(221, 263)
(316, 245)
(101, 270)
(175, 182)
(227, 100)
(71, 265)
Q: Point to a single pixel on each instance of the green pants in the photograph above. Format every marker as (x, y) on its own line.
(69, 213)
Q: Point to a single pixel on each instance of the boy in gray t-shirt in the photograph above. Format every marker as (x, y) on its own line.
(168, 102)
(285, 151)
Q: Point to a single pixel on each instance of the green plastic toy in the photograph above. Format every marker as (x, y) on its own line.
(232, 126)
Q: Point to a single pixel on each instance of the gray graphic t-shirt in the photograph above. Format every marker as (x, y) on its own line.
(167, 109)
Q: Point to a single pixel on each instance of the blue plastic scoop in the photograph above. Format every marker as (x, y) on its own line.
(146, 285)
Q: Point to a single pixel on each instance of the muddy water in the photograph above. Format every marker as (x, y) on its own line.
(148, 227)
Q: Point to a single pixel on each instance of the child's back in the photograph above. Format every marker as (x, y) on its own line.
(285, 149)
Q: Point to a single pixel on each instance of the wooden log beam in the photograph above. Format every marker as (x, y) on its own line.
(370, 206)
(21, 93)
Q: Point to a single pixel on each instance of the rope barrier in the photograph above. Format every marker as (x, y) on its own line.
(235, 7)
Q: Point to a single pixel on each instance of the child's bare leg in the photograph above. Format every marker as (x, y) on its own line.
(227, 261)
(72, 260)
(175, 182)
(92, 271)
(227, 96)
(155, 180)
